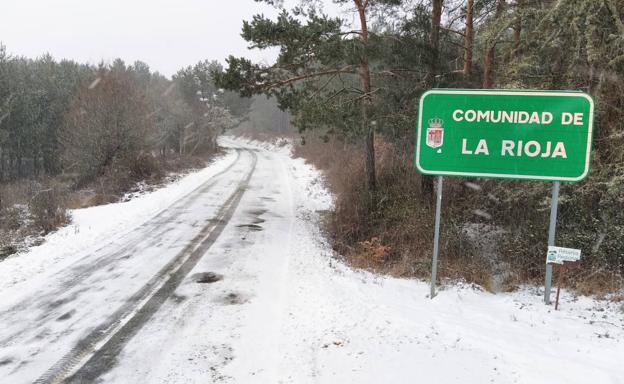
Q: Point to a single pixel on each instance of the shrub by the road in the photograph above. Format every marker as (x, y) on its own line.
(493, 233)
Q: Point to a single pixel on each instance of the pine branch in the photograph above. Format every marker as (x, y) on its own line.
(347, 69)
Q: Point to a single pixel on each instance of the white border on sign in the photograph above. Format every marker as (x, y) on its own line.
(508, 93)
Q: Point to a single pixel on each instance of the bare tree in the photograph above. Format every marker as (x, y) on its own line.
(106, 126)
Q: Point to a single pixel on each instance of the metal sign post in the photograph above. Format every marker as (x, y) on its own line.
(436, 237)
(551, 239)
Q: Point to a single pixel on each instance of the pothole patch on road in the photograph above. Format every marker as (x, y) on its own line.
(251, 227)
(42, 335)
(178, 298)
(6, 361)
(57, 303)
(206, 277)
(256, 212)
(233, 298)
(66, 315)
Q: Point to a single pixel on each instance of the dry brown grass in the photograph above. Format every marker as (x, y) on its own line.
(147, 169)
(396, 237)
(29, 210)
(599, 282)
(48, 208)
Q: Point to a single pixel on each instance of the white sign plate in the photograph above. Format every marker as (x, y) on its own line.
(559, 255)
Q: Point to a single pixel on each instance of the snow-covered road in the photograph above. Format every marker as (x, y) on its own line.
(224, 276)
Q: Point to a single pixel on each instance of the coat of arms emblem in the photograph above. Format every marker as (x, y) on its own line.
(435, 133)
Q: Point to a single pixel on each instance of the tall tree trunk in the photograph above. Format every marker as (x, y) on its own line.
(491, 51)
(517, 29)
(468, 38)
(181, 140)
(426, 182)
(3, 177)
(366, 104)
(434, 36)
(20, 167)
(487, 71)
(36, 164)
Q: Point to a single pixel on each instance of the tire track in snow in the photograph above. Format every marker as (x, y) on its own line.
(96, 353)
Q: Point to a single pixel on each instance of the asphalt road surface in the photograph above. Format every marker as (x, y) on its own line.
(130, 278)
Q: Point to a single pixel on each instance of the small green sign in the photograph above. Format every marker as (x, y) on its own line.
(535, 135)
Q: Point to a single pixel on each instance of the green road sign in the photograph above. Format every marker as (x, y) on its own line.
(536, 135)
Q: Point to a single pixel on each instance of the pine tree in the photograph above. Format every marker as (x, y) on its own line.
(314, 56)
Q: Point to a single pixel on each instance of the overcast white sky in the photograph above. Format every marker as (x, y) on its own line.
(166, 34)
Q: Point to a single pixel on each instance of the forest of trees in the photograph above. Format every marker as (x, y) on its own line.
(65, 117)
(354, 80)
(66, 126)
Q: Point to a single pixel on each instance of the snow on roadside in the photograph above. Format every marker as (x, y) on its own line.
(352, 326)
(94, 225)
